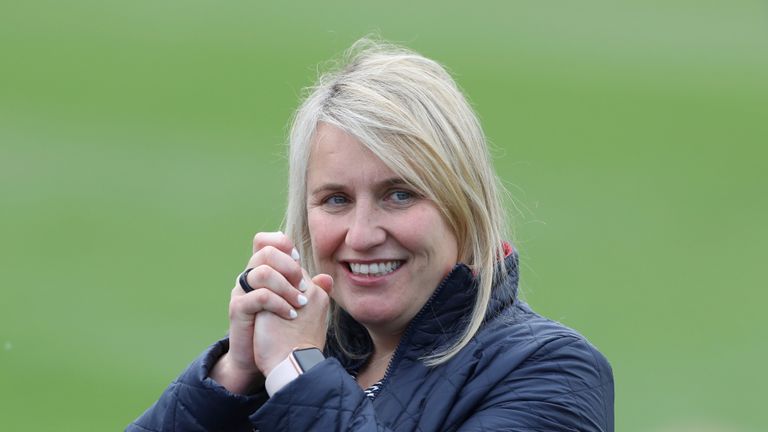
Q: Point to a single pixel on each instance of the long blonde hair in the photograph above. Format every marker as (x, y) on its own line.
(411, 114)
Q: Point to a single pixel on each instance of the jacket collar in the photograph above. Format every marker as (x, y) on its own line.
(447, 312)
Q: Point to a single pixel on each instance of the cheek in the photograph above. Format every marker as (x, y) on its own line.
(430, 237)
(322, 235)
(424, 230)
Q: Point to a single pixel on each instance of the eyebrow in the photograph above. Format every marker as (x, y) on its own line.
(394, 181)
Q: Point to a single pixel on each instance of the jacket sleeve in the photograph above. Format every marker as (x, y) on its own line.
(194, 402)
(326, 398)
(566, 385)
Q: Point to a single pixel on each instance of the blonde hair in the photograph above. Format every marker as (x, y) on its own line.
(411, 114)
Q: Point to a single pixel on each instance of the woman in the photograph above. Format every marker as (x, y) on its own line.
(411, 320)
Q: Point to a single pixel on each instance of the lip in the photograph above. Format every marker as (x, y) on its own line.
(370, 261)
(369, 281)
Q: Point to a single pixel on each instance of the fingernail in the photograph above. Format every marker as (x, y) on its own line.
(303, 285)
(302, 300)
(295, 254)
(293, 314)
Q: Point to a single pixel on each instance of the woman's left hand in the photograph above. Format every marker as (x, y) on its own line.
(276, 337)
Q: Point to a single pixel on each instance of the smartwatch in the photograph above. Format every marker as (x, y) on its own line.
(299, 361)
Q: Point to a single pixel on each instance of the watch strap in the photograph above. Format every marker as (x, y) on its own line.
(286, 371)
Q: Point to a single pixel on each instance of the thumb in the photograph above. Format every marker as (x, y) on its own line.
(324, 281)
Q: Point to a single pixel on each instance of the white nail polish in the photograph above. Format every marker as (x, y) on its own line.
(302, 300)
(293, 314)
(295, 254)
(303, 285)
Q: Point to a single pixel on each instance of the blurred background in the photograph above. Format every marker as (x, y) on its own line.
(142, 145)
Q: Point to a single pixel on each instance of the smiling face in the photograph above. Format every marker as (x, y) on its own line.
(386, 247)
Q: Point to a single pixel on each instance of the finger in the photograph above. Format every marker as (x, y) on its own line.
(324, 281)
(267, 277)
(277, 240)
(247, 306)
(280, 261)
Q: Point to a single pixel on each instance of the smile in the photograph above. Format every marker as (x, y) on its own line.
(374, 269)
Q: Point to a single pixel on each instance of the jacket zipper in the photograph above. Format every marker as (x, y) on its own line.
(408, 330)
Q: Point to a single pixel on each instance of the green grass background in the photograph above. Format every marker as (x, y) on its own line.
(141, 146)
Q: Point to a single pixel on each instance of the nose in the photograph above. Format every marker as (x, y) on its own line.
(365, 230)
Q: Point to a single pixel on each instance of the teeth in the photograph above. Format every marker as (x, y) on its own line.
(375, 269)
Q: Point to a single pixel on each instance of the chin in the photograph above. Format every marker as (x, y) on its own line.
(375, 316)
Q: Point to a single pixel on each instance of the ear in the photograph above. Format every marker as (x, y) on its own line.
(324, 281)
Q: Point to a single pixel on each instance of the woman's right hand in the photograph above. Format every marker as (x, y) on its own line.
(278, 282)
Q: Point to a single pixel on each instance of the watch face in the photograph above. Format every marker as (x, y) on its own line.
(308, 357)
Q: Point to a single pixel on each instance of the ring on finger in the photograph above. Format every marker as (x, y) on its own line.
(244, 281)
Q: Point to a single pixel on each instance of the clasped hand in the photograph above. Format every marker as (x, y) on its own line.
(285, 310)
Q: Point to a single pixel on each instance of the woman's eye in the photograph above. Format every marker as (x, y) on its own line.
(401, 196)
(335, 200)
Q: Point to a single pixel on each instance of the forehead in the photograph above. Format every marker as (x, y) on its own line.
(336, 155)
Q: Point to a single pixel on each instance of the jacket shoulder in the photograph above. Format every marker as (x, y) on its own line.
(520, 336)
(543, 370)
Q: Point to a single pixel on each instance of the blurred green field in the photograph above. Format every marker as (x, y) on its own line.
(141, 146)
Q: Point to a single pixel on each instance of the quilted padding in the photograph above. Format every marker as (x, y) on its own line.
(521, 372)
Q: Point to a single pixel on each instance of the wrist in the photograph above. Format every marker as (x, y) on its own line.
(236, 379)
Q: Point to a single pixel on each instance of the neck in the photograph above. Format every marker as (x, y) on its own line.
(384, 343)
(383, 348)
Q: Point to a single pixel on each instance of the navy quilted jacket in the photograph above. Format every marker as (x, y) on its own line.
(521, 372)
